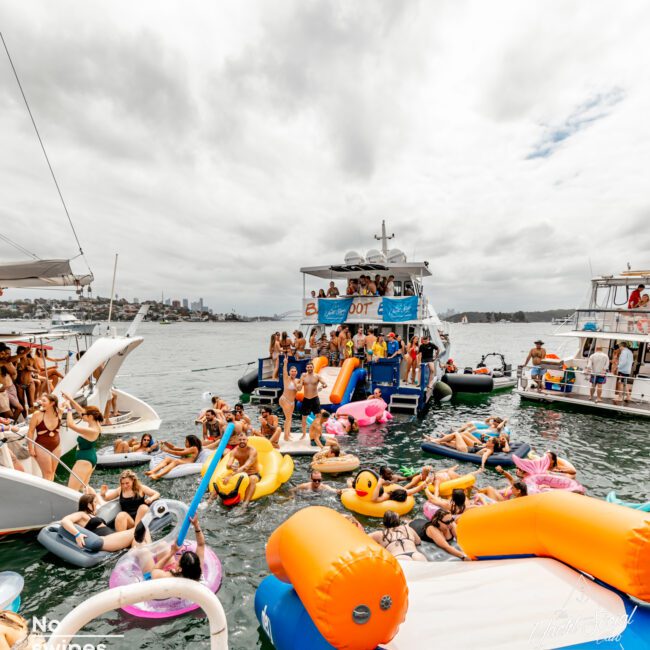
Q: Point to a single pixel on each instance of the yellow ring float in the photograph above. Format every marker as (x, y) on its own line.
(358, 498)
(274, 468)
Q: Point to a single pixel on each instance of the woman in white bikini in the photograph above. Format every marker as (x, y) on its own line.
(288, 398)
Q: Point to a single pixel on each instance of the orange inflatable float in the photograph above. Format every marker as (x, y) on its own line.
(352, 588)
(341, 383)
(607, 541)
(319, 364)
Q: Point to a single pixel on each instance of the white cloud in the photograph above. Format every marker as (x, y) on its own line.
(218, 147)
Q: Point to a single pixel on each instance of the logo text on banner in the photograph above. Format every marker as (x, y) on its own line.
(398, 310)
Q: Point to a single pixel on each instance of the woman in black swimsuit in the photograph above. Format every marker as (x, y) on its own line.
(438, 531)
(86, 518)
(398, 539)
(134, 497)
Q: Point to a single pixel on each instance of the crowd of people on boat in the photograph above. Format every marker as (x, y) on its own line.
(367, 285)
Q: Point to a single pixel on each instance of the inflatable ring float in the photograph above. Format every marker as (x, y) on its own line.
(274, 468)
(336, 465)
(358, 498)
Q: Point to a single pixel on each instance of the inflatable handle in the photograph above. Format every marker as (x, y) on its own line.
(354, 590)
(205, 482)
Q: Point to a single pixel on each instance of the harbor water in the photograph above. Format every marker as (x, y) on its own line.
(174, 368)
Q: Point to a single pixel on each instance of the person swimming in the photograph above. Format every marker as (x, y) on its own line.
(398, 539)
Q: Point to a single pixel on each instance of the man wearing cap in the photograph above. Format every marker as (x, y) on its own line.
(635, 297)
(536, 354)
(393, 348)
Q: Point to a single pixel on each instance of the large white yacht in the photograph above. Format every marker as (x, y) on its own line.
(407, 313)
(65, 319)
(606, 322)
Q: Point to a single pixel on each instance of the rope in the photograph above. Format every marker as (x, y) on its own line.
(176, 372)
(38, 135)
(18, 247)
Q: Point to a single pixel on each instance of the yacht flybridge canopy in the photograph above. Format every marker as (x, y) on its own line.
(627, 278)
(343, 271)
(41, 273)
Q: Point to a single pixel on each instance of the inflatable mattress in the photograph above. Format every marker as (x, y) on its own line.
(107, 458)
(521, 449)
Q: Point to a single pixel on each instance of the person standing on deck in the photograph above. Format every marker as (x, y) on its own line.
(332, 292)
(536, 354)
(635, 297)
(597, 366)
(359, 341)
(428, 354)
(390, 286)
(624, 377)
(310, 402)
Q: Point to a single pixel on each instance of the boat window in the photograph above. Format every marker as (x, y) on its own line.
(646, 355)
(588, 348)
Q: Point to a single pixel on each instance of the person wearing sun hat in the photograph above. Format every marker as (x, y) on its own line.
(536, 355)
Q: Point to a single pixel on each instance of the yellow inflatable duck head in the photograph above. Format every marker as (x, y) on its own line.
(231, 488)
(365, 483)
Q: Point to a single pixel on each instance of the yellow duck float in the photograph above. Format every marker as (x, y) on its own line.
(358, 498)
(274, 468)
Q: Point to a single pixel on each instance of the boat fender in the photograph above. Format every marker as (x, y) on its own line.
(468, 383)
(248, 382)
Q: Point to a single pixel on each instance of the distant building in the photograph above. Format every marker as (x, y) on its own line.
(176, 304)
(168, 302)
(136, 301)
(186, 303)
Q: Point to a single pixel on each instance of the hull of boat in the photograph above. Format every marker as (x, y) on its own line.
(78, 328)
(30, 502)
(583, 402)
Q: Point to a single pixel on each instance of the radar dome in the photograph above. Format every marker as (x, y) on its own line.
(375, 257)
(353, 258)
(396, 256)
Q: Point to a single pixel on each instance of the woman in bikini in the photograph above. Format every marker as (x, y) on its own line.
(399, 539)
(412, 359)
(49, 375)
(300, 343)
(184, 455)
(313, 343)
(88, 432)
(274, 352)
(286, 344)
(288, 398)
(45, 429)
(146, 445)
(28, 386)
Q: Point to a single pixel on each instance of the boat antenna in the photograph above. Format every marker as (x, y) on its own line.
(110, 306)
(38, 135)
(384, 238)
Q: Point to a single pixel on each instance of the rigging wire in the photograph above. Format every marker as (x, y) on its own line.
(18, 247)
(38, 135)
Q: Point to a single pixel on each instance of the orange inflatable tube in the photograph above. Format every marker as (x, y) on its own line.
(341, 383)
(319, 364)
(607, 541)
(354, 590)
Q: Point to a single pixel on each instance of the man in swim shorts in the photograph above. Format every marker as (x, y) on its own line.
(310, 403)
(316, 437)
(536, 355)
(597, 367)
(245, 458)
(269, 426)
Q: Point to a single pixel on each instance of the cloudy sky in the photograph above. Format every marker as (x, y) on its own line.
(219, 146)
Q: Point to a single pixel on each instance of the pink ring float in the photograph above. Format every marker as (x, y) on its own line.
(128, 571)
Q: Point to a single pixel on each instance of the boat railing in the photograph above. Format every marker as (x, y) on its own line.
(566, 379)
(616, 321)
(23, 436)
(163, 588)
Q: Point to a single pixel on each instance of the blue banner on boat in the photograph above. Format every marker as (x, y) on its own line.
(398, 310)
(332, 311)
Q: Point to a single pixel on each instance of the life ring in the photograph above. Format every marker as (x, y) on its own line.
(358, 497)
(336, 465)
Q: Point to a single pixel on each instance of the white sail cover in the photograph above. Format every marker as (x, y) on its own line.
(41, 273)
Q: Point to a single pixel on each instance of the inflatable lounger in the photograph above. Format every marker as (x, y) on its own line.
(521, 449)
(58, 541)
(107, 458)
(187, 469)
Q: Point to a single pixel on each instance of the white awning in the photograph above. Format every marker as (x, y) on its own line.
(407, 269)
(41, 273)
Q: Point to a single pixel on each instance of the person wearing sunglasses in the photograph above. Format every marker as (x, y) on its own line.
(439, 531)
(314, 485)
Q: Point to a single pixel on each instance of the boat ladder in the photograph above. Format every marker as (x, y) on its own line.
(404, 403)
(264, 395)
